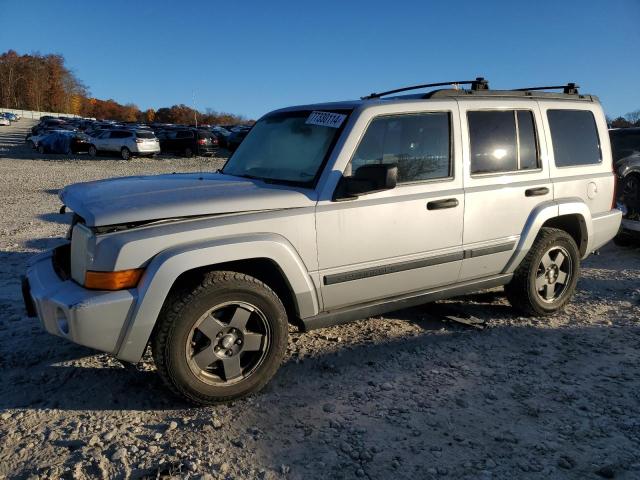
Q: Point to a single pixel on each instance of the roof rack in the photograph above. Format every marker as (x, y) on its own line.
(569, 88)
(478, 84)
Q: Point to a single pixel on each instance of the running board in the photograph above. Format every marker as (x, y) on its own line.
(349, 314)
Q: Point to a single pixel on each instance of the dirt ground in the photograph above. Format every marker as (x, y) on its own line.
(409, 395)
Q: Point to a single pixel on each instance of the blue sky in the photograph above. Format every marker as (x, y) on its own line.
(249, 57)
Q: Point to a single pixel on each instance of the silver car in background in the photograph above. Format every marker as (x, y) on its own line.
(126, 143)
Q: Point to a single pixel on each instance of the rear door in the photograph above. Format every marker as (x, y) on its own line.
(506, 177)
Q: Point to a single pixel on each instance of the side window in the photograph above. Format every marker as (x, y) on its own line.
(502, 141)
(575, 137)
(418, 143)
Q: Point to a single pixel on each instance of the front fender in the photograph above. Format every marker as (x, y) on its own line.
(168, 265)
(537, 218)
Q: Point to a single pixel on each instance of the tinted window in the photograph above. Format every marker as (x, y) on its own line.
(143, 134)
(575, 137)
(419, 144)
(527, 143)
(502, 141)
(120, 134)
(492, 137)
(184, 134)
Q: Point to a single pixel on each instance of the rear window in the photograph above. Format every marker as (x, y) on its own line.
(575, 137)
(204, 134)
(145, 134)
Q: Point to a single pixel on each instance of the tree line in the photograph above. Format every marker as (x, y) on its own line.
(631, 119)
(43, 83)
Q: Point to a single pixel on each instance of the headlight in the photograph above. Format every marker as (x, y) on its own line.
(83, 244)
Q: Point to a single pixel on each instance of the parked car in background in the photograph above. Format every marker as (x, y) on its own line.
(236, 137)
(4, 121)
(63, 141)
(126, 143)
(188, 142)
(625, 144)
(222, 134)
(12, 117)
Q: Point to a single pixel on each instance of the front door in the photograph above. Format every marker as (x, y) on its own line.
(402, 240)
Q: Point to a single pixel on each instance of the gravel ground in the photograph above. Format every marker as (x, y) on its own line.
(413, 394)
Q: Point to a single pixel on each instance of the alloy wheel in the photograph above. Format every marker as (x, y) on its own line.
(553, 274)
(228, 343)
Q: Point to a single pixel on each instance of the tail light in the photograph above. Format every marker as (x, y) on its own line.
(139, 140)
(202, 141)
(614, 200)
(214, 141)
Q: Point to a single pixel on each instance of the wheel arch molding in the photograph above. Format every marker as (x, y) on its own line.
(554, 213)
(165, 269)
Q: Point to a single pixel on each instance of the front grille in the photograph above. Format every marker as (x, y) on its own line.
(62, 261)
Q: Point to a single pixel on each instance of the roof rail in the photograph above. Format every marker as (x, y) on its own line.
(478, 84)
(569, 88)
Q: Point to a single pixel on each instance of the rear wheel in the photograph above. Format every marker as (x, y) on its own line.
(188, 152)
(93, 151)
(125, 153)
(223, 339)
(547, 277)
(40, 149)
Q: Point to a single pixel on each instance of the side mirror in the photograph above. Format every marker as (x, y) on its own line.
(368, 179)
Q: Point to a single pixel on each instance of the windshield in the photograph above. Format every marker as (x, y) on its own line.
(287, 147)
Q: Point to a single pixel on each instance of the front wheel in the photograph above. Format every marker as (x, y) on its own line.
(93, 151)
(547, 277)
(220, 340)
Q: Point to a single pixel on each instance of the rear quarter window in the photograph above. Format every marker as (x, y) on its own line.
(575, 137)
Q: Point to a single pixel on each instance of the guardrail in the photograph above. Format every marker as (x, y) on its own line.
(36, 115)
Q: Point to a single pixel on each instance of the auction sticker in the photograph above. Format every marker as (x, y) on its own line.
(326, 119)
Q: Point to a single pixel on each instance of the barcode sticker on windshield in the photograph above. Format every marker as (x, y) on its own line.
(326, 119)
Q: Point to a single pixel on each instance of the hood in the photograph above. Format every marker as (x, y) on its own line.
(156, 197)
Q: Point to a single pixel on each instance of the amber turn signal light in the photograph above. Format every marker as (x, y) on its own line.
(120, 280)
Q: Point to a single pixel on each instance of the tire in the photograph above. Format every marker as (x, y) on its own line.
(221, 339)
(188, 152)
(41, 149)
(125, 153)
(31, 144)
(544, 282)
(623, 239)
(93, 151)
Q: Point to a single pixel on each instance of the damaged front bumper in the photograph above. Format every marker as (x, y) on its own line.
(91, 318)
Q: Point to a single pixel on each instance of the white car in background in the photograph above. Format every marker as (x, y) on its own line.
(4, 120)
(125, 142)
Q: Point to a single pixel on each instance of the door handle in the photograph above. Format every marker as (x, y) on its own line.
(440, 204)
(534, 192)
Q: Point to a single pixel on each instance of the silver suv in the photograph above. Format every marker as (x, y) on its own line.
(126, 143)
(328, 213)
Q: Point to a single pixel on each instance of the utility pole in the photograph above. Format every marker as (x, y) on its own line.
(195, 111)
